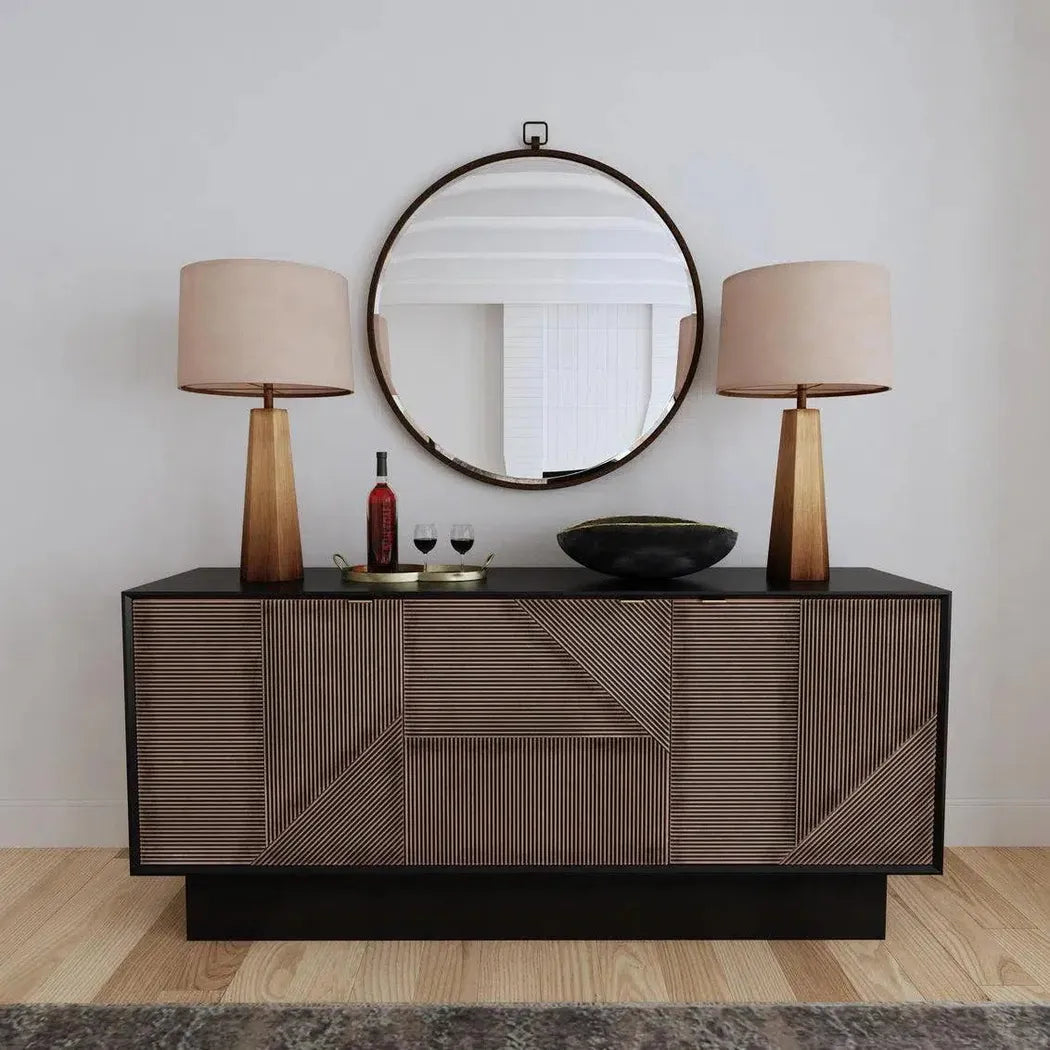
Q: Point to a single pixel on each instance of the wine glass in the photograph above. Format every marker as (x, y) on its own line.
(462, 538)
(425, 539)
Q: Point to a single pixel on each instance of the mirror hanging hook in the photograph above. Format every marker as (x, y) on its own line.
(530, 137)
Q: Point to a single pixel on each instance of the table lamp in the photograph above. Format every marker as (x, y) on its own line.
(802, 330)
(256, 328)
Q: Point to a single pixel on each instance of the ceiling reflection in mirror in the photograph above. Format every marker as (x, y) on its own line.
(535, 321)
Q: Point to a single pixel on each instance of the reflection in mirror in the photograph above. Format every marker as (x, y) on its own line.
(535, 319)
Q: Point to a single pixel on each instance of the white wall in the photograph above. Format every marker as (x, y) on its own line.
(140, 136)
(447, 364)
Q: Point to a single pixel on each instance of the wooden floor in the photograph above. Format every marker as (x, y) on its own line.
(74, 926)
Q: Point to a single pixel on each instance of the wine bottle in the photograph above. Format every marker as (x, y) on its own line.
(382, 522)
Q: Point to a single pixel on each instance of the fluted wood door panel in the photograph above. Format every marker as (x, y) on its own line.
(734, 731)
(536, 800)
(198, 692)
(332, 673)
(868, 716)
(537, 731)
(538, 667)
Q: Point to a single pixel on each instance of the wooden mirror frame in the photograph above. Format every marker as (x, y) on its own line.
(478, 474)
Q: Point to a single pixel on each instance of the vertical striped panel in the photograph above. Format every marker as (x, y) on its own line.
(358, 819)
(538, 800)
(485, 667)
(888, 819)
(624, 646)
(868, 684)
(199, 726)
(332, 673)
(734, 727)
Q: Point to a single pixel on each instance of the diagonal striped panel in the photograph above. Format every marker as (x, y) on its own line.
(868, 682)
(484, 667)
(332, 672)
(358, 819)
(888, 819)
(199, 729)
(536, 800)
(624, 646)
(734, 730)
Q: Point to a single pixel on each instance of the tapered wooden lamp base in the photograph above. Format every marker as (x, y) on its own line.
(798, 534)
(271, 550)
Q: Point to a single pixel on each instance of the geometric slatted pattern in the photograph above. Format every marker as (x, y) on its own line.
(734, 735)
(624, 646)
(888, 819)
(545, 800)
(199, 728)
(536, 731)
(484, 667)
(868, 683)
(358, 819)
(332, 673)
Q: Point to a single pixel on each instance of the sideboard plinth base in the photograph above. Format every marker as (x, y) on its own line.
(554, 905)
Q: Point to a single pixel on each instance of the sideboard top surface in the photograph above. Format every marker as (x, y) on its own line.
(719, 582)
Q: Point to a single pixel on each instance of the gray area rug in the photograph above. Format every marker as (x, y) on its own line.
(643, 1027)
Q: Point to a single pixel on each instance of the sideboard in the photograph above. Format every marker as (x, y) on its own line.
(550, 753)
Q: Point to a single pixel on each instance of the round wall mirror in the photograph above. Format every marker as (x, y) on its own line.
(535, 318)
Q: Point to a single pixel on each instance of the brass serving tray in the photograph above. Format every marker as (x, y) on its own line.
(411, 573)
(360, 574)
(453, 573)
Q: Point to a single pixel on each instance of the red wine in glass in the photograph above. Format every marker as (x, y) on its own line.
(425, 538)
(462, 539)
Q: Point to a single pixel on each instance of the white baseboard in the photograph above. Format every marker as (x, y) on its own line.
(62, 822)
(997, 822)
(104, 822)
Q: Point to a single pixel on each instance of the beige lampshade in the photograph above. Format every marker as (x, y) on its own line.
(824, 325)
(244, 323)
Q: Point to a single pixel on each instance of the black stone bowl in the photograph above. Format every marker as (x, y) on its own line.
(646, 547)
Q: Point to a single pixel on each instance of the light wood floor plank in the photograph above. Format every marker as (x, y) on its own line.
(988, 907)
(21, 870)
(297, 971)
(813, 972)
(449, 972)
(28, 911)
(506, 972)
(923, 958)
(534, 971)
(69, 927)
(327, 972)
(100, 940)
(996, 867)
(1034, 861)
(1032, 948)
(980, 956)
(569, 971)
(692, 972)
(874, 972)
(752, 973)
(1000, 993)
(389, 972)
(267, 973)
(630, 972)
(166, 968)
